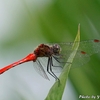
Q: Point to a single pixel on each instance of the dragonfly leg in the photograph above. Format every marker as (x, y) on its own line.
(49, 69)
(53, 64)
(60, 61)
(56, 59)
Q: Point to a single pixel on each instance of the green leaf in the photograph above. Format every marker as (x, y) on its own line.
(57, 89)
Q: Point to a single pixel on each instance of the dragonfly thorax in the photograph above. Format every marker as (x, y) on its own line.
(46, 51)
(43, 51)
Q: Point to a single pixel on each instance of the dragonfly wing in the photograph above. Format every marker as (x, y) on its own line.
(39, 68)
(80, 59)
(85, 50)
(90, 47)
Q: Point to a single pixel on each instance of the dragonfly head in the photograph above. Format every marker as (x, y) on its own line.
(56, 49)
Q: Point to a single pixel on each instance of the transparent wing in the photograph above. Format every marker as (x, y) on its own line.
(39, 68)
(89, 46)
(85, 50)
(80, 59)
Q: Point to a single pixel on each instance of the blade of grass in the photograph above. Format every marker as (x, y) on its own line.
(57, 89)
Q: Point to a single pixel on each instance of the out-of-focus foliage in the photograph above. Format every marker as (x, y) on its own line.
(26, 23)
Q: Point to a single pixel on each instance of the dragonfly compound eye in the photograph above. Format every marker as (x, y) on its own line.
(56, 49)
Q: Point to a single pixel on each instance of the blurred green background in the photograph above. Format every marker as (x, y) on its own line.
(24, 24)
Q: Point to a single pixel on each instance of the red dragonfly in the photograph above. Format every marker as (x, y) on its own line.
(59, 52)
